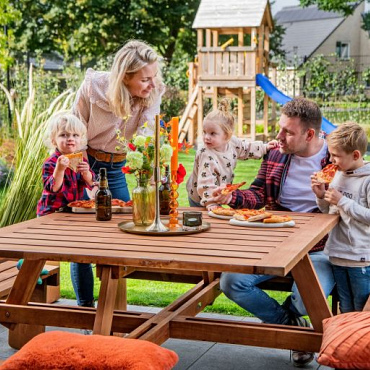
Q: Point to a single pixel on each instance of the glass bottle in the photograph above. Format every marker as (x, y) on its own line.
(164, 193)
(103, 198)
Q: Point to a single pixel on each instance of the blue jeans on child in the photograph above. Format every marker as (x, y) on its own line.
(81, 273)
(243, 290)
(353, 285)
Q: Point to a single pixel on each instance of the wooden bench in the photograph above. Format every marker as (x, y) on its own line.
(282, 284)
(47, 292)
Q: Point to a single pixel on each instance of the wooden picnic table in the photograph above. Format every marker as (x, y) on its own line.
(224, 248)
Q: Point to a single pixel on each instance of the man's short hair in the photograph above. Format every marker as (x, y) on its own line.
(348, 137)
(306, 110)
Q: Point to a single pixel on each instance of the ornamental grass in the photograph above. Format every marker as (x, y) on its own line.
(20, 196)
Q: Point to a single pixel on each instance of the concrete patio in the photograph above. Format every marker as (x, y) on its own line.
(196, 355)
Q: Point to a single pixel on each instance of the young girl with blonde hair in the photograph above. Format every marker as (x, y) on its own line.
(215, 163)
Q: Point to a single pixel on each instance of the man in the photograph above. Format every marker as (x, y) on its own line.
(283, 183)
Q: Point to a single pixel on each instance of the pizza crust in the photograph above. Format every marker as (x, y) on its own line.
(223, 211)
(275, 219)
(232, 187)
(74, 160)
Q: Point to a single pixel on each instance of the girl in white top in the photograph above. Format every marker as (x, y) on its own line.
(215, 163)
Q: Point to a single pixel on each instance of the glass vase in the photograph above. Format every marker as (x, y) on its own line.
(143, 198)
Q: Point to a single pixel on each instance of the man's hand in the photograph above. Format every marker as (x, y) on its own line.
(317, 187)
(333, 196)
(220, 198)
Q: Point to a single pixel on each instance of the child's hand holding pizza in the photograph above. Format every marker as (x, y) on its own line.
(317, 186)
(62, 163)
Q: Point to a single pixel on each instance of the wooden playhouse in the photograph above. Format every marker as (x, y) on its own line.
(232, 47)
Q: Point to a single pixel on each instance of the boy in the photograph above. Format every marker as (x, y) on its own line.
(349, 195)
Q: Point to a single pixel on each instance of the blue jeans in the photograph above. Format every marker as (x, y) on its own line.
(116, 178)
(353, 285)
(242, 289)
(193, 203)
(81, 273)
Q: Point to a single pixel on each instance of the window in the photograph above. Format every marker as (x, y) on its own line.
(342, 50)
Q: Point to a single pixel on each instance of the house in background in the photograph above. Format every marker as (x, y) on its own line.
(310, 32)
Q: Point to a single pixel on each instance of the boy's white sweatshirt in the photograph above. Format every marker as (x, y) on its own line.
(350, 238)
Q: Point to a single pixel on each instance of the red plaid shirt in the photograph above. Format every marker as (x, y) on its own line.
(266, 187)
(72, 188)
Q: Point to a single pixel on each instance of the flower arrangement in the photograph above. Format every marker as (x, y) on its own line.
(140, 155)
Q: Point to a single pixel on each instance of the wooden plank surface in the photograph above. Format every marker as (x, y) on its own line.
(80, 238)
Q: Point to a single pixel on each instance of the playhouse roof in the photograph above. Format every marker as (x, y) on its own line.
(231, 13)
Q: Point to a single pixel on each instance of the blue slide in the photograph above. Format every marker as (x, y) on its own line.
(281, 98)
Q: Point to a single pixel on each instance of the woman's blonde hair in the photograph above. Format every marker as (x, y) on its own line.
(132, 57)
(222, 117)
(64, 122)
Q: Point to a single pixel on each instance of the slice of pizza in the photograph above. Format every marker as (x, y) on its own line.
(221, 211)
(277, 219)
(231, 187)
(74, 160)
(326, 175)
(82, 204)
(118, 203)
(251, 215)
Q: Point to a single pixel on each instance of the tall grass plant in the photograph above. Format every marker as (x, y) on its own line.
(20, 196)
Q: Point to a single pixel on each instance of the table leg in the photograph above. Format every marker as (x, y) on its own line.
(106, 301)
(24, 286)
(311, 292)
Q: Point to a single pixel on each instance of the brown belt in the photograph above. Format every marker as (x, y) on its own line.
(101, 156)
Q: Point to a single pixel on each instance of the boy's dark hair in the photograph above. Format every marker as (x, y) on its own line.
(349, 137)
(307, 111)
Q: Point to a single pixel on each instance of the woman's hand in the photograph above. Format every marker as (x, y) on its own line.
(317, 187)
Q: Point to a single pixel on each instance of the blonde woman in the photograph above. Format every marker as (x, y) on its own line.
(127, 98)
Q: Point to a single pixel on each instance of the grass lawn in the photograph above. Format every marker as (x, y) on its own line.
(160, 294)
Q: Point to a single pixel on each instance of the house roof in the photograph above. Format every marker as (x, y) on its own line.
(230, 13)
(305, 29)
(52, 62)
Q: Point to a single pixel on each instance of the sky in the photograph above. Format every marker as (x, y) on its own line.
(279, 4)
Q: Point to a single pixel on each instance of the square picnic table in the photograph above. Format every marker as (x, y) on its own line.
(198, 257)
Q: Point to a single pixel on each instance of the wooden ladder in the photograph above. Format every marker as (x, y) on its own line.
(188, 118)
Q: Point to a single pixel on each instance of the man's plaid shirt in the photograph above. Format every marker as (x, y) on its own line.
(265, 189)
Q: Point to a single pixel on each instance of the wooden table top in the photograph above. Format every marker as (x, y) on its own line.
(80, 238)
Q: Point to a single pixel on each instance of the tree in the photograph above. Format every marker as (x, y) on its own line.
(95, 28)
(8, 15)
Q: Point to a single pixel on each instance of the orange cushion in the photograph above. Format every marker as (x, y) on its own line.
(63, 350)
(346, 341)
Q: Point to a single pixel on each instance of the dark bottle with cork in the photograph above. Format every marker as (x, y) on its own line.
(103, 198)
(164, 193)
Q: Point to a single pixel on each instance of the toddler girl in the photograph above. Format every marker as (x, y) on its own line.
(215, 163)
